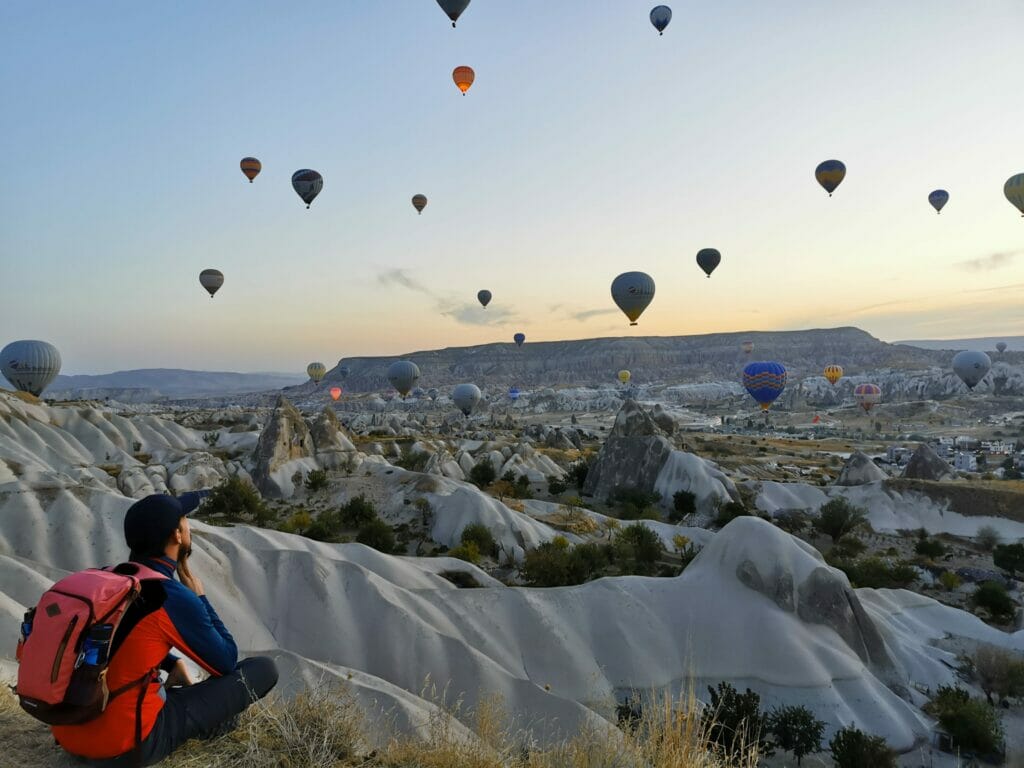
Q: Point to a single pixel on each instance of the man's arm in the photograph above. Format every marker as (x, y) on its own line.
(194, 628)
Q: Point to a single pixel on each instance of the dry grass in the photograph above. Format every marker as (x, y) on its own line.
(324, 728)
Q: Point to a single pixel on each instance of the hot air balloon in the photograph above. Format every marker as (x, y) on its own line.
(633, 292)
(938, 198)
(419, 202)
(708, 259)
(624, 377)
(833, 373)
(1001, 347)
(519, 338)
(453, 8)
(867, 396)
(418, 392)
(971, 366)
(1014, 191)
(661, 15)
(830, 175)
(463, 77)
(335, 393)
(251, 167)
(343, 370)
(316, 371)
(30, 365)
(403, 376)
(211, 280)
(747, 347)
(513, 394)
(484, 297)
(466, 397)
(307, 185)
(765, 382)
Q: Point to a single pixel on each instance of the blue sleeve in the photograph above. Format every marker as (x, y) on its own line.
(201, 635)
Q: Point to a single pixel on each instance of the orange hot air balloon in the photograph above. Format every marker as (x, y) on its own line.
(833, 373)
(251, 167)
(463, 77)
(335, 393)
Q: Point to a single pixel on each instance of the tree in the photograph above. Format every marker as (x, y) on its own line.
(237, 499)
(316, 480)
(1009, 557)
(930, 548)
(684, 504)
(556, 486)
(739, 724)
(852, 748)
(987, 537)
(639, 548)
(728, 512)
(635, 503)
(999, 672)
(839, 517)
(357, 512)
(377, 534)
(796, 730)
(468, 551)
(481, 535)
(482, 474)
(972, 725)
(578, 472)
(993, 597)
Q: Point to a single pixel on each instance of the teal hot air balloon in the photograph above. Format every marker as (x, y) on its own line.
(708, 259)
(661, 15)
(403, 376)
(31, 366)
(938, 199)
(519, 338)
(466, 397)
(633, 292)
(765, 382)
(307, 185)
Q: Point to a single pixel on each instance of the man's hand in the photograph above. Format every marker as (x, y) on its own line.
(179, 675)
(188, 578)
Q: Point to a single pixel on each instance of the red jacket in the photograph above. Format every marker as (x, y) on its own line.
(167, 615)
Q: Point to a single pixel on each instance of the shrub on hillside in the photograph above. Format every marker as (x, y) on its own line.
(992, 596)
(638, 549)
(930, 548)
(635, 504)
(414, 461)
(326, 527)
(950, 580)
(839, 517)
(468, 551)
(1009, 557)
(852, 748)
(556, 486)
(377, 534)
(555, 564)
(299, 522)
(481, 535)
(356, 512)
(237, 499)
(848, 548)
(972, 725)
(876, 573)
(738, 723)
(796, 730)
(729, 511)
(316, 480)
(482, 474)
(999, 672)
(684, 504)
(988, 538)
(578, 472)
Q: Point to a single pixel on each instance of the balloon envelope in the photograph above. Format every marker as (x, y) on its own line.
(833, 373)
(513, 394)
(484, 297)
(453, 8)
(661, 15)
(633, 292)
(419, 202)
(30, 365)
(403, 376)
(316, 371)
(971, 366)
(1014, 191)
(344, 370)
(307, 185)
(463, 77)
(708, 259)
(867, 396)
(211, 280)
(830, 175)
(335, 393)
(938, 198)
(624, 376)
(765, 382)
(1001, 347)
(519, 338)
(747, 347)
(251, 167)
(466, 397)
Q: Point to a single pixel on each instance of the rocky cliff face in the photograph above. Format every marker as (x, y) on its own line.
(859, 469)
(926, 464)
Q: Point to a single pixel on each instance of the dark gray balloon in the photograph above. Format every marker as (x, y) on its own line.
(466, 397)
(971, 366)
(708, 259)
(403, 376)
(453, 8)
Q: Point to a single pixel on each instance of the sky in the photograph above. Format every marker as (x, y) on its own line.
(588, 146)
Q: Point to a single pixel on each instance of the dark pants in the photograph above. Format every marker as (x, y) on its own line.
(202, 711)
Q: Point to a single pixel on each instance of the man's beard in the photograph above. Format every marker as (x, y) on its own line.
(185, 553)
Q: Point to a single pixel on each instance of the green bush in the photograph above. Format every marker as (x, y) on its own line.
(796, 730)
(738, 725)
(876, 573)
(992, 596)
(638, 549)
(326, 527)
(555, 564)
(972, 725)
(316, 480)
(578, 472)
(930, 548)
(848, 548)
(468, 551)
(521, 488)
(684, 504)
(482, 474)
(414, 461)
(481, 535)
(730, 511)
(988, 538)
(357, 512)
(950, 580)
(852, 748)
(237, 499)
(839, 517)
(1009, 557)
(556, 486)
(635, 504)
(377, 534)
(999, 672)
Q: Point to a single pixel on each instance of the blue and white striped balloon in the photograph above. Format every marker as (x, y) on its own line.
(31, 366)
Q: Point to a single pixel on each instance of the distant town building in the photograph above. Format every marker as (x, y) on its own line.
(965, 462)
(997, 446)
(898, 455)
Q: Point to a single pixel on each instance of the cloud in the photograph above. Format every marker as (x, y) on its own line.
(401, 277)
(989, 262)
(466, 313)
(589, 313)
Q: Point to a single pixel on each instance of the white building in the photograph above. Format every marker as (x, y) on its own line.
(965, 462)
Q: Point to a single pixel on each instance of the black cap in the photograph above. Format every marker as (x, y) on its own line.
(149, 522)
